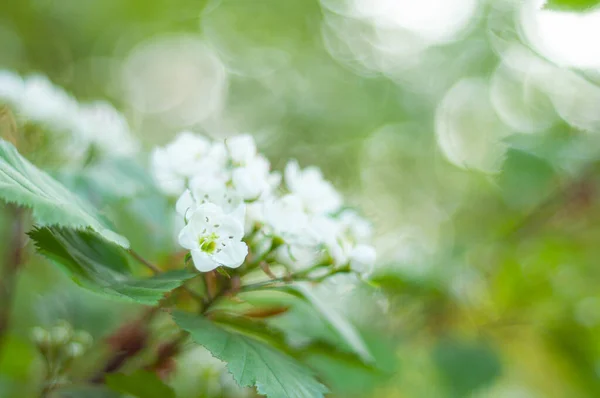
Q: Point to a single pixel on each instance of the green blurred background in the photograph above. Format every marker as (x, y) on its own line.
(469, 140)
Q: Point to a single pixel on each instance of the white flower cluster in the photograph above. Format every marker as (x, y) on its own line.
(36, 100)
(230, 198)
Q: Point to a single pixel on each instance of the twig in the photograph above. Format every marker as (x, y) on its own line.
(126, 342)
(145, 262)
(298, 276)
(13, 261)
(157, 270)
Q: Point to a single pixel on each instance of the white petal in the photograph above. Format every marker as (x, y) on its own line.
(203, 262)
(204, 212)
(362, 258)
(185, 204)
(232, 254)
(187, 238)
(241, 148)
(291, 174)
(230, 226)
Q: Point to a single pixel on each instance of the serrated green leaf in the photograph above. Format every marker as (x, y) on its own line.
(340, 324)
(571, 5)
(51, 203)
(141, 384)
(101, 266)
(108, 180)
(251, 361)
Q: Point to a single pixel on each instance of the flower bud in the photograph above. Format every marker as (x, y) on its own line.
(84, 338)
(40, 336)
(74, 349)
(61, 333)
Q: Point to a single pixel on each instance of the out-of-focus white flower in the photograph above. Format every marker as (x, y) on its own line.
(252, 180)
(298, 257)
(329, 232)
(285, 218)
(317, 194)
(242, 149)
(11, 87)
(362, 258)
(214, 239)
(176, 163)
(44, 103)
(105, 128)
(356, 226)
(211, 189)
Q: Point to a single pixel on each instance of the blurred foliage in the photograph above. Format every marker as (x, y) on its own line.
(571, 5)
(491, 278)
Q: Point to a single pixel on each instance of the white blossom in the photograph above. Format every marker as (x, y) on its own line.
(317, 194)
(298, 257)
(362, 258)
(241, 148)
(286, 219)
(37, 100)
(356, 226)
(44, 103)
(11, 87)
(176, 163)
(211, 189)
(254, 179)
(214, 239)
(102, 126)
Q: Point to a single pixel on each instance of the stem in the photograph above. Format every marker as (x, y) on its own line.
(157, 270)
(8, 278)
(298, 276)
(127, 341)
(145, 262)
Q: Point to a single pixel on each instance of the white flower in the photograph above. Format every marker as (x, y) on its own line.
(357, 227)
(211, 189)
(176, 163)
(11, 87)
(242, 149)
(329, 232)
(44, 103)
(285, 218)
(214, 239)
(362, 258)
(254, 179)
(317, 194)
(298, 257)
(104, 127)
(345, 240)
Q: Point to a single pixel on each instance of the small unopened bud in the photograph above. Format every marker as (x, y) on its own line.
(40, 336)
(61, 333)
(84, 338)
(277, 241)
(74, 349)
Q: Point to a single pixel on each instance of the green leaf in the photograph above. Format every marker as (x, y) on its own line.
(51, 203)
(251, 361)
(346, 374)
(101, 266)
(80, 391)
(141, 384)
(466, 366)
(571, 5)
(335, 320)
(108, 180)
(526, 180)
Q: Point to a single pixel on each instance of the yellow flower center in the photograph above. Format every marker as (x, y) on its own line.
(208, 243)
